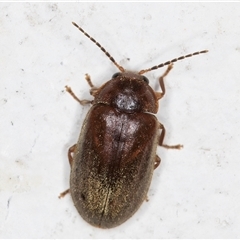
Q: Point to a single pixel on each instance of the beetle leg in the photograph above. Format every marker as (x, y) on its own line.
(93, 89)
(70, 158)
(157, 161)
(61, 195)
(161, 82)
(70, 151)
(82, 102)
(161, 138)
(88, 78)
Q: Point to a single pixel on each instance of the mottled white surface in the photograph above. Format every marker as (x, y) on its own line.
(195, 193)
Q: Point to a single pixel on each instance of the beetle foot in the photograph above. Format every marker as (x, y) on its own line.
(157, 161)
(64, 193)
(179, 146)
(82, 102)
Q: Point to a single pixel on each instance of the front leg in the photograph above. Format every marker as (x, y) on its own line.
(82, 102)
(93, 91)
(161, 82)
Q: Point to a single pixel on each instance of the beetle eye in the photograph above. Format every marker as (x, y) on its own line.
(145, 79)
(116, 75)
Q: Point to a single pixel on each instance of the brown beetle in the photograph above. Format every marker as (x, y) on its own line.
(114, 158)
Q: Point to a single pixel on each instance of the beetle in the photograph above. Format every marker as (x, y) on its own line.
(113, 161)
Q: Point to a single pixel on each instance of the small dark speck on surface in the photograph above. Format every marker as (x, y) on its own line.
(8, 202)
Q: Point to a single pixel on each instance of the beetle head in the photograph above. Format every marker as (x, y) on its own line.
(128, 92)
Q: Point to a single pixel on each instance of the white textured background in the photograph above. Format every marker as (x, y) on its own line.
(195, 193)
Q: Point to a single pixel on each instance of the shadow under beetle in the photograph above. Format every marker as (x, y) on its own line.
(113, 161)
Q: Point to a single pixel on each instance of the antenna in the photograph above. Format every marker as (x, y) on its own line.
(99, 45)
(142, 71)
(172, 61)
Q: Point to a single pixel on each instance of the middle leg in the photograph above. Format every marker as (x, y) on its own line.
(161, 138)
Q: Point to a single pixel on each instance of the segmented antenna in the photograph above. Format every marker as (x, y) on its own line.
(142, 71)
(172, 61)
(99, 45)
